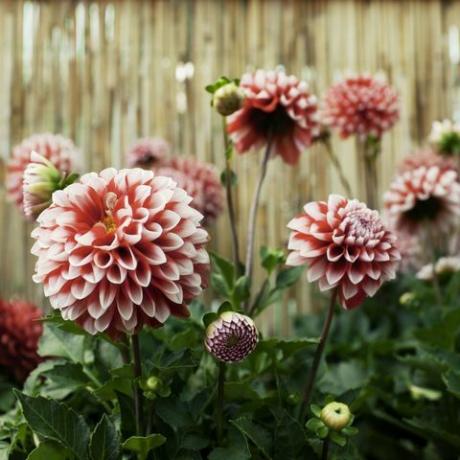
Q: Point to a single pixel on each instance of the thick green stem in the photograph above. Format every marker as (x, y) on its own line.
(220, 402)
(317, 358)
(138, 399)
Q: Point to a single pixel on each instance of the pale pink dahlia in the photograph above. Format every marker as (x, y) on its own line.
(59, 150)
(119, 250)
(148, 152)
(277, 108)
(427, 158)
(361, 105)
(346, 246)
(201, 181)
(423, 194)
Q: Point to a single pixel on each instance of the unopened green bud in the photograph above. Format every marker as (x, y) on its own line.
(407, 298)
(153, 383)
(228, 99)
(336, 415)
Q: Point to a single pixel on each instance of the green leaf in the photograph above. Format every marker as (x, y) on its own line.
(237, 448)
(288, 277)
(213, 87)
(142, 445)
(452, 381)
(57, 422)
(337, 438)
(224, 268)
(48, 450)
(128, 417)
(105, 441)
(316, 410)
(241, 291)
(258, 435)
(57, 343)
(287, 346)
(209, 318)
(350, 431)
(271, 258)
(314, 424)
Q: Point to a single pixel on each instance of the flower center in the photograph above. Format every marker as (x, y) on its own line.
(363, 223)
(428, 209)
(232, 341)
(273, 123)
(110, 225)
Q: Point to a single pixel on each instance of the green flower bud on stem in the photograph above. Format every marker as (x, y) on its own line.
(228, 99)
(336, 415)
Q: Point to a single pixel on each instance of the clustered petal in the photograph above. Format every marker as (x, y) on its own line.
(148, 152)
(426, 191)
(426, 158)
(201, 181)
(121, 249)
(20, 331)
(231, 337)
(60, 151)
(346, 246)
(361, 105)
(278, 108)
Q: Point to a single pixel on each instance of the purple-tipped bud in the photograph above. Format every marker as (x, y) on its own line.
(231, 337)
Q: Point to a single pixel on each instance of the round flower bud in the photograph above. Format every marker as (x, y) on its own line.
(153, 383)
(228, 99)
(407, 298)
(231, 337)
(336, 415)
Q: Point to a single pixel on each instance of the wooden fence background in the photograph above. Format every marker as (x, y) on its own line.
(105, 73)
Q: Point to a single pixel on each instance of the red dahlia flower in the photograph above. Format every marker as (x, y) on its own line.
(20, 331)
(119, 250)
(200, 181)
(60, 151)
(279, 109)
(427, 158)
(148, 152)
(424, 192)
(361, 105)
(346, 246)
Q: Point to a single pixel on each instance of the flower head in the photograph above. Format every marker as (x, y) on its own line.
(426, 158)
(231, 337)
(444, 267)
(200, 181)
(121, 249)
(361, 105)
(423, 193)
(445, 137)
(228, 99)
(41, 179)
(278, 109)
(60, 151)
(148, 152)
(20, 331)
(336, 415)
(346, 246)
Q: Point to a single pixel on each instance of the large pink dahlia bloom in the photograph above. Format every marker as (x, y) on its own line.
(148, 152)
(119, 250)
(279, 109)
(346, 246)
(201, 181)
(423, 193)
(59, 150)
(361, 105)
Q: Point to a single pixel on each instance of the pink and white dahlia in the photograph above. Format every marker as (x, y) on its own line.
(426, 158)
(278, 109)
(121, 249)
(201, 181)
(361, 105)
(346, 246)
(59, 150)
(423, 194)
(148, 152)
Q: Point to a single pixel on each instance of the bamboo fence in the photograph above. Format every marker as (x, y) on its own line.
(107, 72)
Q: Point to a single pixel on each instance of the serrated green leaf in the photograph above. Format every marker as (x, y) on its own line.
(105, 441)
(57, 422)
(258, 435)
(57, 343)
(142, 445)
(49, 450)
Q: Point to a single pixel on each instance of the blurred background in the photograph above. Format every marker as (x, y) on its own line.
(105, 73)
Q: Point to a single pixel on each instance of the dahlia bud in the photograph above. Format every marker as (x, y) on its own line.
(231, 337)
(407, 298)
(153, 383)
(41, 179)
(228, 99)
(336, 415)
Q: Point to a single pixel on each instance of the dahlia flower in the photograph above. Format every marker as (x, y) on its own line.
(346, 246)
(443, 266)
(231, 337)
(200, 181)
(148, 152)
(410, 249)
(41, 179)
(278, 109)
(60, 151)
(427, 158)
(361, 105)
(20, 331)
(228, 99)
(445, 137)
(120, 249)
(423, 194)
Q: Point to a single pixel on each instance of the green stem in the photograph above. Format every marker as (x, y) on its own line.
(317, 358)
(230, 205)
(220, 402)
(325, 450)
(138, 399)
(335, 161)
